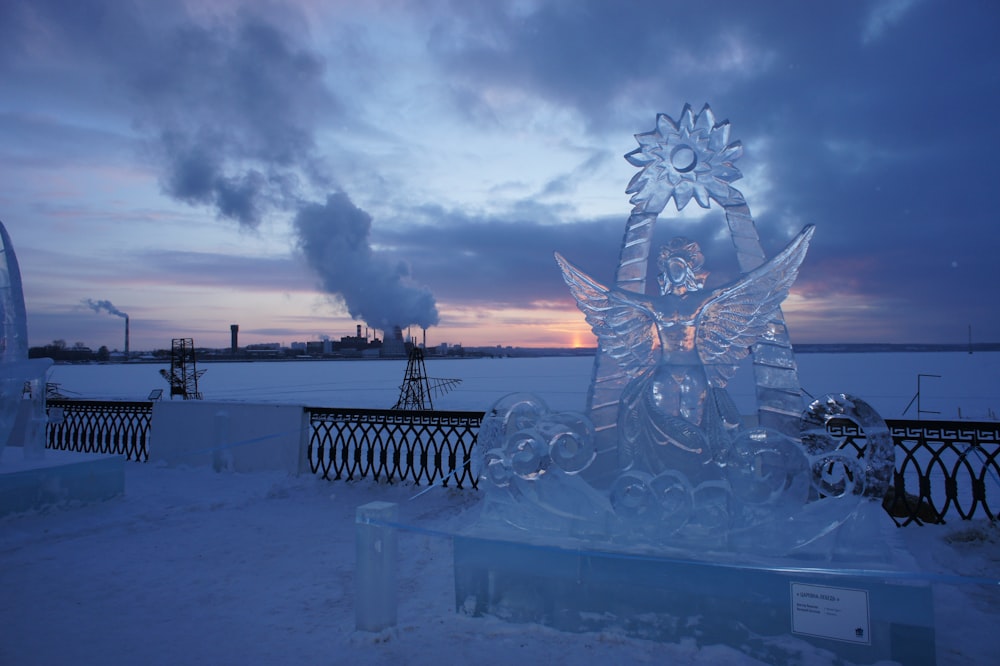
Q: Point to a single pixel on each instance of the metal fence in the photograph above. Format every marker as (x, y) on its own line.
(93, 426)
(393, 445)
(943, 468)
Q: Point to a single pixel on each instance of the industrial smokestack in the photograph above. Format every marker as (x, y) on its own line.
(234, 331)
(359, 330)
(108, 306)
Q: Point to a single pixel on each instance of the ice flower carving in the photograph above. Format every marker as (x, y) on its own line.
(680, 160)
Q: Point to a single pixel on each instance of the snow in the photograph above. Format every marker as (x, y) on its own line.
(968, 385)
(194, 566)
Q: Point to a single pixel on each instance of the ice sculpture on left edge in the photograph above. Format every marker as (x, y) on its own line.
(662, 457)
(22, 381)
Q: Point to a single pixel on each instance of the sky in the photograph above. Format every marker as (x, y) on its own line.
(300, 167)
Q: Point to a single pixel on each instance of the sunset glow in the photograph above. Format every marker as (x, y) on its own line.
(271, 164)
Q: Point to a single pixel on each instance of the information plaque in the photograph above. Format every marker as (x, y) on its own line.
(831, 612)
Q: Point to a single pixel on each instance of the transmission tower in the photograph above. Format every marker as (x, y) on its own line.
(415, 392)
(183, 375)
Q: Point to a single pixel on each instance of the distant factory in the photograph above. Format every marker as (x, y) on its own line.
(364, 344)
(352, 346)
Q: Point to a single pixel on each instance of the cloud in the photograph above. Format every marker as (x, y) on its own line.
(506, 260)
(234, 109)
(219, 270)
(568, 182)
(605, 60)
(883, 16)
(237, 115)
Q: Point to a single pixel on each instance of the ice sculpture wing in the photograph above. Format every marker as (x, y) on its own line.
(737, 316)
(623, 322)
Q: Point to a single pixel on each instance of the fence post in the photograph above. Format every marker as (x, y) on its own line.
(222, 458)
(375, 573)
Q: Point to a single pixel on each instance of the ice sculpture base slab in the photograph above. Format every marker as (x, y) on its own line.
(59, 478)
(752, 610)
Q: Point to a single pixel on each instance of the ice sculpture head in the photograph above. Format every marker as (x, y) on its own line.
(675, 465)
(680, 265)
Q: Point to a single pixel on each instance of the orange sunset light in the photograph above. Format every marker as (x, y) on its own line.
(547, 325)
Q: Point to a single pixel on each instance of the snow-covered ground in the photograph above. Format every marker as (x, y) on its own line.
(193, 566)
(964, 385)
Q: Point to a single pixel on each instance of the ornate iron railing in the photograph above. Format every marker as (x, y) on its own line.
(93, 426)
(942, 467)
(393, 445)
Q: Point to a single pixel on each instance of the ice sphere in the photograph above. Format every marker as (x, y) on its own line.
(872, 476)
(528, 453)
(495, 469)
(632, 497)
(675, 498)
(767, 467)
(571, 441)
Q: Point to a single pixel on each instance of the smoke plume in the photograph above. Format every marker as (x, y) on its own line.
(106, 306)
(333, 237)
(235, 111)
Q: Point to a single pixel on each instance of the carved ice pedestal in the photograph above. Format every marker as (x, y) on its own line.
(60, 477)
(861, 619)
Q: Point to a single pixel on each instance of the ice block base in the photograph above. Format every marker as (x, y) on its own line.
(860, 618)
(58, 478)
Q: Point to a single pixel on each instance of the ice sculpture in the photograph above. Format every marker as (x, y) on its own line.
(662, 457)
(22, 381)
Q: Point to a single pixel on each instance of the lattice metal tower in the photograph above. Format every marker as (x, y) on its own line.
(415, 392)
(183, 375)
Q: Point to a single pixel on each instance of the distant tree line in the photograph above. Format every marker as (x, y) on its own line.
(58, 350)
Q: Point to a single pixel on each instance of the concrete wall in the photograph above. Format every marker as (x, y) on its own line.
(234, 436)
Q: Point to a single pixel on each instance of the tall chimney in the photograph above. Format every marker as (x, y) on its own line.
(126, 338)
(359, 330)
(234, 330)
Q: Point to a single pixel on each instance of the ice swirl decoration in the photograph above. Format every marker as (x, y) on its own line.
(524, 439)
(769, 485)
(677, 466)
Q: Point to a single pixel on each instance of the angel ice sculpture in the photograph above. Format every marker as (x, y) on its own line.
(679, 350)
(661, 456)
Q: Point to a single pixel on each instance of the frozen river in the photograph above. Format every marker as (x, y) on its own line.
(956, 385)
